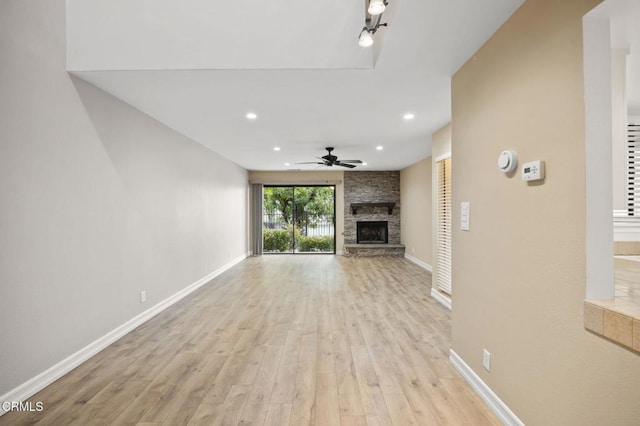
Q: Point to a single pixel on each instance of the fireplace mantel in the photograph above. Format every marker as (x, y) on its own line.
(356, 206)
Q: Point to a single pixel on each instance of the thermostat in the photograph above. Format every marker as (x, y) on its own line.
(507, 161)
(533, 170)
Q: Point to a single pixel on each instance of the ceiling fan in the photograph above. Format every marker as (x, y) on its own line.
(330, 160)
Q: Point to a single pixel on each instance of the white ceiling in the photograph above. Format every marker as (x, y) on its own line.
(205, 34)
(199, 66)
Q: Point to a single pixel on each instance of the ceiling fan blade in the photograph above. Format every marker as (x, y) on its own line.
(330, 160)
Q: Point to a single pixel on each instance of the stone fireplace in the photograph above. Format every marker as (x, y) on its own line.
(372, 214)
(372, 232)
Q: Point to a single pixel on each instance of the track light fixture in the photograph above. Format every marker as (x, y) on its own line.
(376, 7)
(372, 23)
(366, 35)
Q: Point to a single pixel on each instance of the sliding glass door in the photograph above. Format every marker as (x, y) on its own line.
(299, 219)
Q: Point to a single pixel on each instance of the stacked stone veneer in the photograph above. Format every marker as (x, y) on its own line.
(371, 187)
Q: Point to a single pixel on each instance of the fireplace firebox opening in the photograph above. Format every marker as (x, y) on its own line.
(372, 232)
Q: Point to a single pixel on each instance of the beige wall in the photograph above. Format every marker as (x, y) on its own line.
(440, 147)
(415, 214)
(311, 178)
(99, 202)
(441, 143)
(519, 273)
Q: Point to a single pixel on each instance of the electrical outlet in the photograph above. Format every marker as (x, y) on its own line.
(486, 359)
(143, 296)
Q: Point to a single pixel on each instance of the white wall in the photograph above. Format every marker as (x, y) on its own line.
(99, 202)
(598, 156)
(619, 127)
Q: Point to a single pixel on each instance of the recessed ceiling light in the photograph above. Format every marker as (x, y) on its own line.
(287, 164)
(409, 116)
(252, 115)
(379, 148)
(364, 164)
(276, 148)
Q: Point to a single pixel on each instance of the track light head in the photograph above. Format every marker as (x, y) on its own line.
(366, 37)
(376, 7)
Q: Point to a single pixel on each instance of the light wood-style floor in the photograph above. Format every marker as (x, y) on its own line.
(279, 340)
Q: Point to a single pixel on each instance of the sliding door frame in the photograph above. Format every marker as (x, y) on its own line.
(293, 214)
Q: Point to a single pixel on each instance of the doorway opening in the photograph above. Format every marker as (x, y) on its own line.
(299, 219)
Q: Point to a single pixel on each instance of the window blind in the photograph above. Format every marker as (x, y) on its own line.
(443, 265)
(633, 170)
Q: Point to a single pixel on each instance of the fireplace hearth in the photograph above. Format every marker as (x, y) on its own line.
(369, 232)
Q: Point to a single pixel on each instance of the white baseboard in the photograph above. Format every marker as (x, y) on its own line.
(339, 253)
(44, 379)
(496, 405)
(419, 262)
(444, 300)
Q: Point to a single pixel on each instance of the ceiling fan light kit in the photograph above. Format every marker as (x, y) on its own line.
(372, 22)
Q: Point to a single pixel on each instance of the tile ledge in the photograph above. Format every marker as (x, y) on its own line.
(618, 305)
(612, 320)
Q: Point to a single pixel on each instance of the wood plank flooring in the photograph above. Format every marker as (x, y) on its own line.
(279, 340)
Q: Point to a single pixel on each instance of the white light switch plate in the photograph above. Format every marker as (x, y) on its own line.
(486, 360)
(465, 209)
